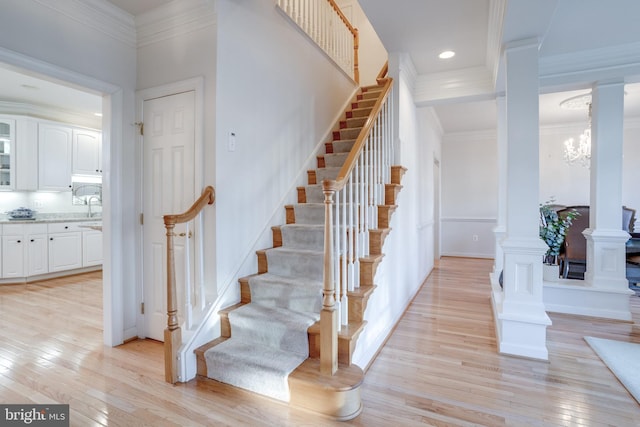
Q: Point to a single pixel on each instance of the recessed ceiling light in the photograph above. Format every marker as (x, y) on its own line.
(447, 54)
(97, 114)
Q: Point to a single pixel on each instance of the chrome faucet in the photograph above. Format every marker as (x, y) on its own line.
(89, 199)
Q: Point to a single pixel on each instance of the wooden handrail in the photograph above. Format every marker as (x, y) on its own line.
(383, 72)
(207, 198)
(342, 17)
(173, 334)
(350, 162)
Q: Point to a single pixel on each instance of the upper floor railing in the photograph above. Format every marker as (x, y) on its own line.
(326, 25)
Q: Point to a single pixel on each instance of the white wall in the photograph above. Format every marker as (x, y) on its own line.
(409, 247)
(469, 194)
(176, 52)
(280, 96)
(469, 183)
(91, 47)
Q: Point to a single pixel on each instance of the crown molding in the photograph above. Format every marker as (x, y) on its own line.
(466, 84)
(487, 135)
(435, 120)
(408, 70)
(99, 15)
(51, 113)
(591, 65)
(179, 17)
(497, 11)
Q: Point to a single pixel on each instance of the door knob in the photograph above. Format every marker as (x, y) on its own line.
(184, 234)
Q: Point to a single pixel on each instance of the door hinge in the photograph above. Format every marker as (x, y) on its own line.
(141, 308)
(141, 127)
(141, 219)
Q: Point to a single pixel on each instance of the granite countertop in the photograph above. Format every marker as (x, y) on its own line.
(51, 217)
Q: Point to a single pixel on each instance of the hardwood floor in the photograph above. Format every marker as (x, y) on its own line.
(440, 366)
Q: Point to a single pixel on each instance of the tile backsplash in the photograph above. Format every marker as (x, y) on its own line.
(42, 202)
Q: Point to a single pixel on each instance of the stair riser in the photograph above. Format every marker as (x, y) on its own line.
(295, 264)
(339, 146)
(359, 112)
(303, 238)
(332, 160)
(311, 213)
(342, 134)
(365, 103)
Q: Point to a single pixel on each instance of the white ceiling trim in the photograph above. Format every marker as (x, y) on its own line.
(175, 19)
(497, 11)
(466, 84)
(591, 65)
(477, 136)
(99, 15)
(50, 113)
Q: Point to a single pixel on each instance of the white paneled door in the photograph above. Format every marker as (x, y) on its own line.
(169, 188)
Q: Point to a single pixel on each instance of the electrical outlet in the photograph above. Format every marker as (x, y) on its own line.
(231, 144)
(38, 204)
(475, 237)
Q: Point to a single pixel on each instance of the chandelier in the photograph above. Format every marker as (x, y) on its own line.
(578, 152)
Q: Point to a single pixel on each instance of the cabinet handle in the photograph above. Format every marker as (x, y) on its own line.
(32, 240)
(66, 227)
(19, 241)
(50, 238)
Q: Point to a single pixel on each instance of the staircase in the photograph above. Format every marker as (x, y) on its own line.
(270, 341)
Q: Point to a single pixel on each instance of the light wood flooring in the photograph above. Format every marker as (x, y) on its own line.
(440, 367)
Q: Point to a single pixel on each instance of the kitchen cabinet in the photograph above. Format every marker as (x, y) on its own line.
(7, 153)
(54, 157)
(13, 251)
(65, 247)
(91, 248)
(87, 152)
(37, 250)
(26, 154)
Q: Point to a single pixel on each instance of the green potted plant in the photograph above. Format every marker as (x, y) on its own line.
(553, 229)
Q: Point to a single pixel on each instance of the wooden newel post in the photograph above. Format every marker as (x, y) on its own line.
(173, 334)
(356, 65)
(329, 314)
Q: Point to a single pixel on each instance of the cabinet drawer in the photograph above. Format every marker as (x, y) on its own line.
(63, 227)
(13, 229)
(35, 229)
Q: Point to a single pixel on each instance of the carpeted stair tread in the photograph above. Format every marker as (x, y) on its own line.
(335, 159)
(272, 326)
(295, 262)
(303, 236)
(309, 213)
(294, 293)
(327, 173)
(258, 368)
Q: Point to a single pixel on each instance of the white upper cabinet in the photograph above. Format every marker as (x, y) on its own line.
(54, 157)
(87, 148)
(7, 154)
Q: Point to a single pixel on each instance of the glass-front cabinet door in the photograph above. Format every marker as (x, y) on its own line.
(7, 154)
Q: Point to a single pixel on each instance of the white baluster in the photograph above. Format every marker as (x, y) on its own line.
(336, 256)
(344, 284)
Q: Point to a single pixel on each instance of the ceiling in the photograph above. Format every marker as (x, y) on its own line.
(424, 28)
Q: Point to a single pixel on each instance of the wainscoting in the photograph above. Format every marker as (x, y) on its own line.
(468, 237)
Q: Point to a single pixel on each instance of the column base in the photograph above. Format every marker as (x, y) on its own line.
(577, 297)
(519, 314)
(606, 255)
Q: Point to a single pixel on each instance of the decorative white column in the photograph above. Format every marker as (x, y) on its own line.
(521, 320)
(605, 237)
(500, 231)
